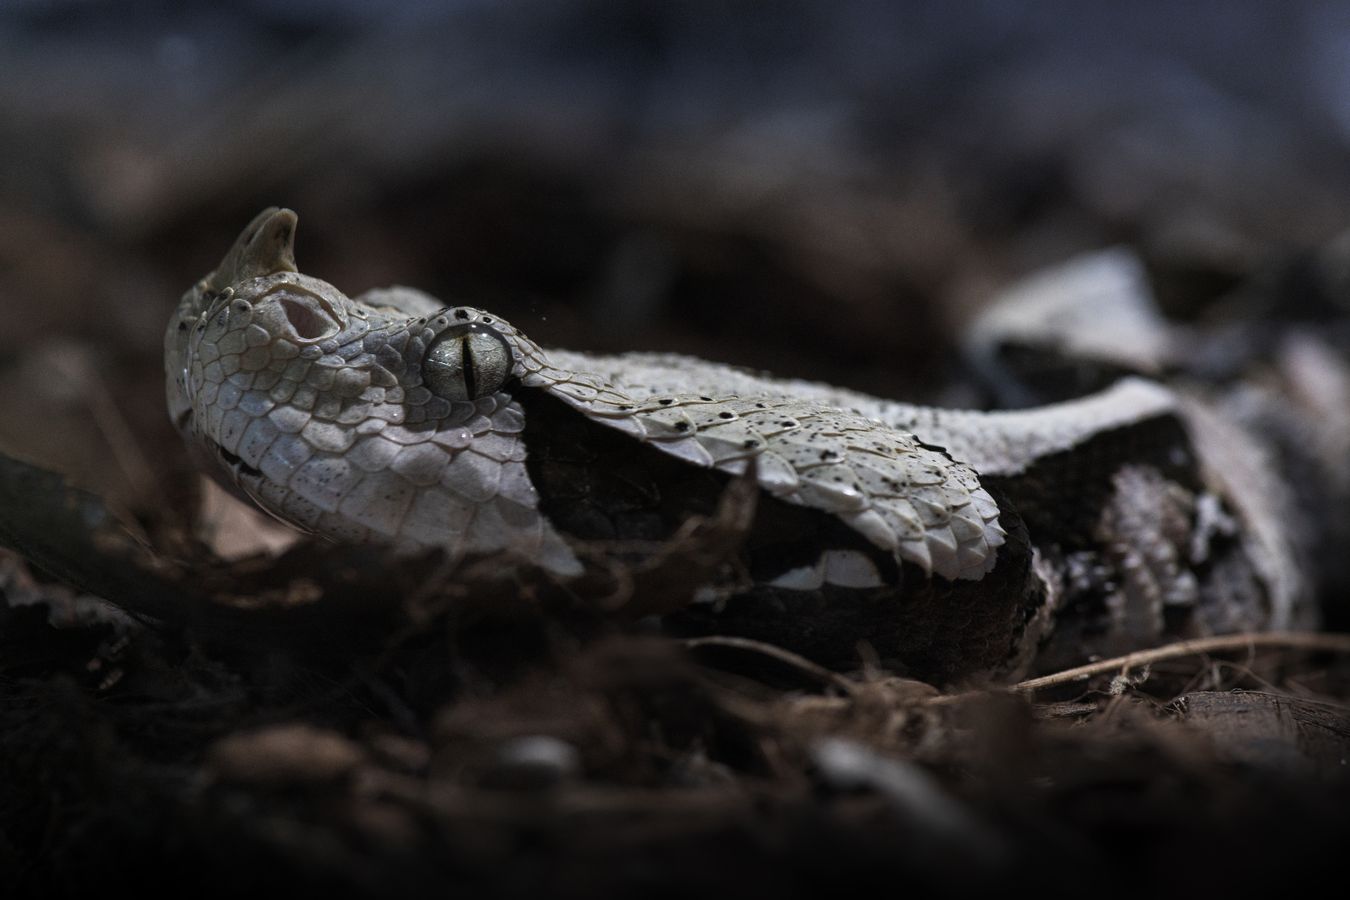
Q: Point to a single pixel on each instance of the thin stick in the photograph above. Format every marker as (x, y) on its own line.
(778, 653)
(1328, 643)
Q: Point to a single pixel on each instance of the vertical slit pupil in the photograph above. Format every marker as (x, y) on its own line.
(466, 363)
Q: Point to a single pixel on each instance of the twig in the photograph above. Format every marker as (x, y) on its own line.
(784, 656)
(1329, 643)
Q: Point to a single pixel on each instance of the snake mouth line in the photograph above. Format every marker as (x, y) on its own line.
(234, 461)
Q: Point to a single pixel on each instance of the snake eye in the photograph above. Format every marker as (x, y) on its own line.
(467, 362)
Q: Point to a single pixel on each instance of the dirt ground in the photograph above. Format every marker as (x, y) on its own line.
(191, 700)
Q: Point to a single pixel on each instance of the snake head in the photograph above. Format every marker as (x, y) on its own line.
(387, 417)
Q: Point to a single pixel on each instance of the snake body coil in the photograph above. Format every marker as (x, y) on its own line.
(955, 541)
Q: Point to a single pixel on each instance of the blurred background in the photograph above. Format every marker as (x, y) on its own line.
(828, 190)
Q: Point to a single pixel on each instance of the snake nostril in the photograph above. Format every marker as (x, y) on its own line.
(309, 323)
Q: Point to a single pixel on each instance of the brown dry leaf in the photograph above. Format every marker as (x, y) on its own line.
(237, 530)
(288, 754)
(1278, 732)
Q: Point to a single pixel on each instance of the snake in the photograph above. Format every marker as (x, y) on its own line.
(954, 542)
